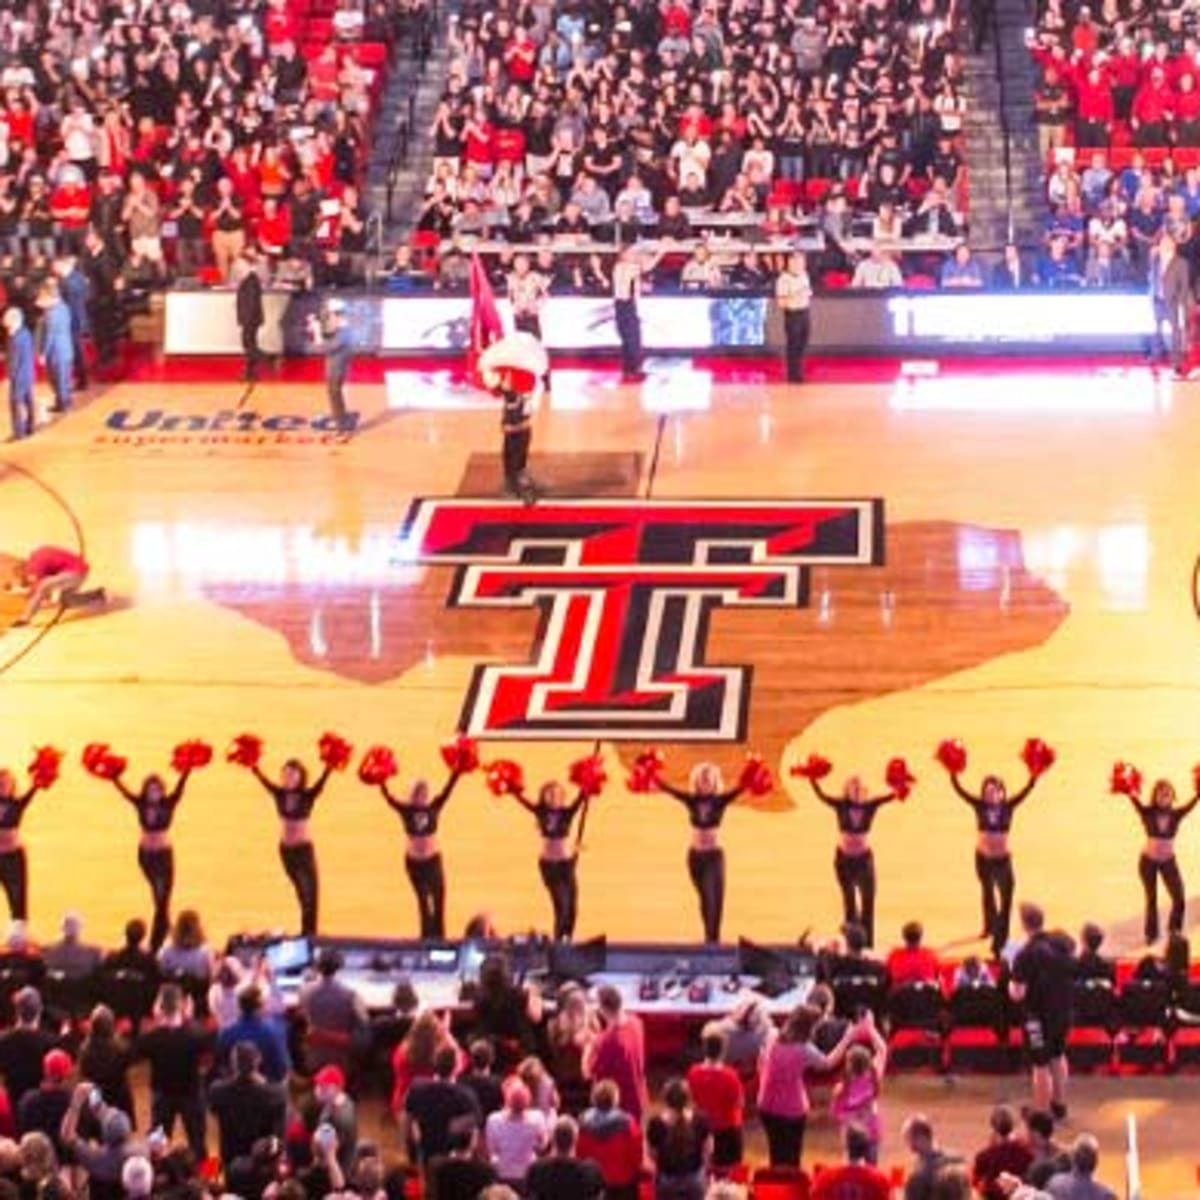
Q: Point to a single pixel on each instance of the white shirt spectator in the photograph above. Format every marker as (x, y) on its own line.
(691, 157)
(514, 1142)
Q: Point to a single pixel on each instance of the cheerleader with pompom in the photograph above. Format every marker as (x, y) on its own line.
(854, 860)
(994, 809)
(555, 816)
(155, 808)
(420, 814)
(294, 800)
(706, 799)
(14, 876)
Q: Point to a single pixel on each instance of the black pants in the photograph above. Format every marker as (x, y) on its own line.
(251, 350)
(856, 877)
(629, 330)
(728, 1147)
(997, 884)
(300, 863)
(428, 878)
(707, 869)
(13, 879)
(558, 874)
(158, 866)
(335, 391)
(795, 331)
(785, 1139)
(516, 457)
(532, 323)
(1149, 870)
(190, 1110)
(81, 375)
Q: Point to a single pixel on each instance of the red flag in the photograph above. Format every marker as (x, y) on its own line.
(486, 325)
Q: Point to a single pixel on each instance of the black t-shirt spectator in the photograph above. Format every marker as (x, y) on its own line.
(678, 1145)
(564, 1179)
(436, 1105)
(175, 1054)
(487, 1091)
(246, 1110)
(1045, 968)
(21, 1054)
(459, 1178)
(42, 1110)
(946, 165)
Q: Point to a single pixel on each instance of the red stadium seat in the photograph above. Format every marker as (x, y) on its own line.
(780, 1183)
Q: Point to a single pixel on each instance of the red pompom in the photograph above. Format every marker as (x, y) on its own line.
(814, 767)
(646, 772)
(100, 761)
(1126, 780)
(461, 754)
(588, 775)
(43, 771)
(1037, 756)
(899, 778)
(952, 754)
(505, 777)
(245, 750)
(190, 756)
(1196, 778)
(756, 777)
(334, 751)
(378, 766)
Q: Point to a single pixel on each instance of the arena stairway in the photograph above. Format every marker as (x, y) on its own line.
(993, 106)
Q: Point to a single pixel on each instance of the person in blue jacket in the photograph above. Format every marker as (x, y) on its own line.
(73, 285)
(20, 361)
(56, 346)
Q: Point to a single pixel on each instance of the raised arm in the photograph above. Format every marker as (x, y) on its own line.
(439, 801)
(822, 794)
(317, 788)
(392, 803)
(176, 792)
(1023, 794)
(273, 788)
(669, 789)
(973, 801)
(1185, 809)
(518, 794)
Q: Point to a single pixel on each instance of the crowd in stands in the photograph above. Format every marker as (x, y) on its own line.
(164, 137)
(568, 121)
(521, 1094)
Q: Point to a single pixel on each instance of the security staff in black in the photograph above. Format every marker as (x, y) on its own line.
(793, 294)
(558, 861)
(334, 340)
(516, 424)
(1161, 820)
(250, 316)
(419, 815)
(854, 862)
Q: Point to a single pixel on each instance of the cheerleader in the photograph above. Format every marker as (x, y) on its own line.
(1161, 819)
(559, 860)
(994, 810)
(706, 800)
(854, 860)
(295, 798)
(155, 808)
(14, 875)
(419, 815)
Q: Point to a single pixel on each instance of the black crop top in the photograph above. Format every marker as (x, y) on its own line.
(704, 811)
(294, 804)
(13, 809)
(420, 820)
(1162, 822)
(154, 818)
(853, 816)
(993, 818)
(554, 821)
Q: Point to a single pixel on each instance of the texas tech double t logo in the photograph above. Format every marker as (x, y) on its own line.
(626, 589)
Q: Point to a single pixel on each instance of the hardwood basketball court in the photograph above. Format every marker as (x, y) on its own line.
(1037, 580)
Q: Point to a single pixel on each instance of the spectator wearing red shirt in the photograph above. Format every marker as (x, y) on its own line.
(71, 204)
(1094, 108)
(1151, 113)
(1125, 72)
(1187, 111)
(855, 1179)
(912, 962)
(676, 20)
(274, 228)
(1005, 1153)
(610, 1137)
(618, 1052)
(478, 142)
(1085, 37)
(520, 57)
(718, 1094)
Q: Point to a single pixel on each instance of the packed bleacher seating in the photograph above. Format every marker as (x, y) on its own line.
(575, 129)
(554, 1092)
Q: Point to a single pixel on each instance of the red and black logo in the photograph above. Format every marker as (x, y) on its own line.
(626, 589)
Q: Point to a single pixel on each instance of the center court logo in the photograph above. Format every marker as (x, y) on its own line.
(227, 427)
(626, 590)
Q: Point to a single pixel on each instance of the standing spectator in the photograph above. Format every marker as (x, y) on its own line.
(610, 1138)
(562, 1175)
(1042, 980)
(70, 957)
(24, 1047)
(930, 1159)
(680, 1144)
(1005, 1154)
(102, 1159)
(176, 1048)
(1078, 1183)
(1049, 1158)
(793, 292)
(73, 287)
(515, 1135)
(480, 1078)
(335, 1014)
(335, 341)
(567, 1035)
(746, 1030)
(857, 1178)
(459, 1174)
(416, 1054)
(856, 1097)
(333, 1107)
(229, 228)
(250, 315)
(42, 1109)
(186, 953)
(56, 346)
(1051, 107)
(247, 1107)
(436, 1108)
(617, 1051)
(104, 1060)
(717, 1091)
(261, 1032)
(188, 216)
(21, 367)
(1170, 291)
(142, 219)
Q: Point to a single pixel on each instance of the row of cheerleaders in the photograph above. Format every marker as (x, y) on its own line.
(560, 812)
